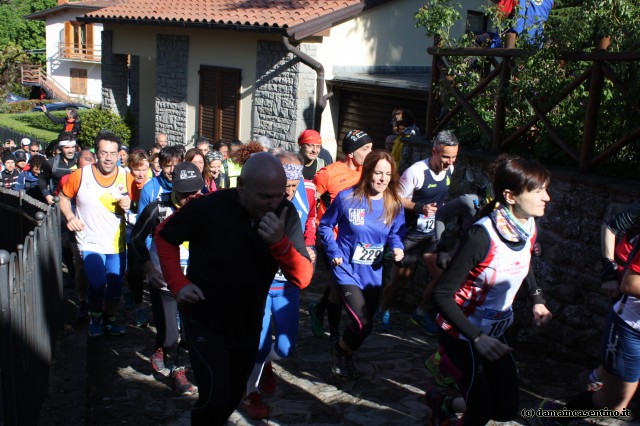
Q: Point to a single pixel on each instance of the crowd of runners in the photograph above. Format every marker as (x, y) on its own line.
(173, 223)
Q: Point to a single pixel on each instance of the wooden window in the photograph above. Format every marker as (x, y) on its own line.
(78, 40)
(78, 81)
(219, 109)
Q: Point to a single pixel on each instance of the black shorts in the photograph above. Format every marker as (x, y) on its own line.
(415, 245)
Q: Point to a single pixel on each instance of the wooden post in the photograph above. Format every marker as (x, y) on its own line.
(432, 105)
(510, 40)
(498, 125)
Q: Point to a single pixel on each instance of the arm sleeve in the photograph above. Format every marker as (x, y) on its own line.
(145, 196)
(291, 253)
(141, 230)
(622, 222)
(474, 250)
(172, 232)
(71, 186)
(57, 120)
(44, 177)
(329, 220)
(462, 206)
(398, 229)
(310, 225)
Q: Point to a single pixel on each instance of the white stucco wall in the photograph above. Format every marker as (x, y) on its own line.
(59, 69)
(383, 36)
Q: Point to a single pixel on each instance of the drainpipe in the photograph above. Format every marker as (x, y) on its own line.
(321, 100)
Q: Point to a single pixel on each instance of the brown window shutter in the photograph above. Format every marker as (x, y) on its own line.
(89, 33)
(218, 112)
(229, 103)
(68, 38)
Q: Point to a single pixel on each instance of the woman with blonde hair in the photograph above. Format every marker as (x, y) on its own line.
(369, 216)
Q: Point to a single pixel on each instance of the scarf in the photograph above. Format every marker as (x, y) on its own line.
(510, 228)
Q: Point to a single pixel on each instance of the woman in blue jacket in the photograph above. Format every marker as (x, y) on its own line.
(368, 216)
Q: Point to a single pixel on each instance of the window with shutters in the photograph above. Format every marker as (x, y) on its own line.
(78, 42)
(219, 109)
(78, 81)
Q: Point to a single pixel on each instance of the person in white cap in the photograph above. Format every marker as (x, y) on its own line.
(24, 144)
(56, 167)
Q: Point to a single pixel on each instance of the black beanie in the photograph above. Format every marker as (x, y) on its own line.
(355, 140)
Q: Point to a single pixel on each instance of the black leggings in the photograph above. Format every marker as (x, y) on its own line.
(165, 316)
(489, 388)
(221, 366)
(135, 276)
(361, 305)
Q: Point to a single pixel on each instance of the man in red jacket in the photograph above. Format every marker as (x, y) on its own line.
(224, 291)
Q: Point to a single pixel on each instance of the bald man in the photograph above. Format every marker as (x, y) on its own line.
(224, 292)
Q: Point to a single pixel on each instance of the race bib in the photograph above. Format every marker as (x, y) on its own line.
(366, 254)
(495, 323)
(426, 224)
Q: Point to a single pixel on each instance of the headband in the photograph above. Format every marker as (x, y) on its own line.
(293, 171)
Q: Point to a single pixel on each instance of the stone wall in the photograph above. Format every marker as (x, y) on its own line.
(171, 86)
(285, 94)
(115, 77)
(568, 268)
(134, 95)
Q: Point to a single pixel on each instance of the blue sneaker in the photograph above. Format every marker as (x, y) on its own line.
(95, 325)
(425, 323)
(109, 325)
(141, 318)
(384, 321)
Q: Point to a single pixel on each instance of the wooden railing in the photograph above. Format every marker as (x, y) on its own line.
(79, 52)
(34, 75)
(502, 69)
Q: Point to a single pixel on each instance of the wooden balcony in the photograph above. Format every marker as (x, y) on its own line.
(79, 52)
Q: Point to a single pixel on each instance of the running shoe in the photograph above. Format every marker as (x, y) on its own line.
(141, 318)
(157, 360)
(83, 310)
(436, 400)
(384, 321)
(110, 326)
(342, 365)
(268, 379)
(425, 323)
(433, 365)
(254, 407)
(586, 381)
(317, 321)
(181, 385)
(95, 325)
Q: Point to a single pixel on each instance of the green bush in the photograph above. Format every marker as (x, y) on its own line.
(97, 119)
(540, 77)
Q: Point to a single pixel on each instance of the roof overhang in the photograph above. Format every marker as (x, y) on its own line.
(44, 14)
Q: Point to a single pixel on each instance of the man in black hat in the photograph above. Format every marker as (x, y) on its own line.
(187, 184)
(10, 173)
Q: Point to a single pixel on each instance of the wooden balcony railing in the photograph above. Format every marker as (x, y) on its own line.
(79, 52)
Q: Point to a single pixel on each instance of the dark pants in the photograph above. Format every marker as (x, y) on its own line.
(165, 316)
(361, 305)
(490, 388)
(221, 366)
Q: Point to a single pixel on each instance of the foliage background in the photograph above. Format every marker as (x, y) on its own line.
(573, 26)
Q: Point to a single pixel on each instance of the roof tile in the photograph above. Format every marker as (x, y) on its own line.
(271, 13)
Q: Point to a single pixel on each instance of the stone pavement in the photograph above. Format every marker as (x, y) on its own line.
(121, 387)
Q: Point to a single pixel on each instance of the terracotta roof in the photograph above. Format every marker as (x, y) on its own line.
(298, 18)
(89, 4)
